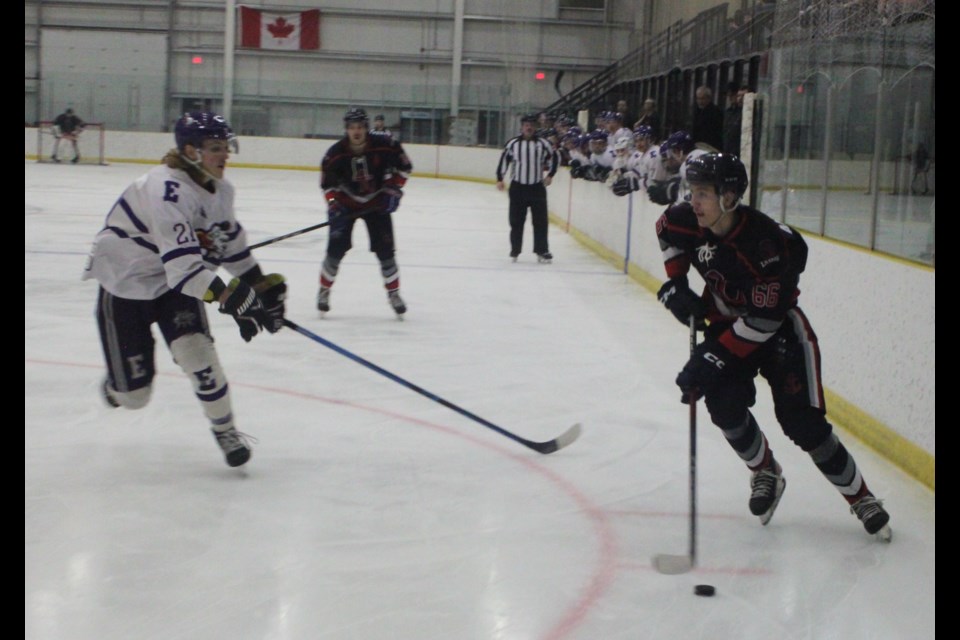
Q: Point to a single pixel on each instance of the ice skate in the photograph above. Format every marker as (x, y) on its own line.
(236, 448)
(514, 255)
(108, 399)
(874, 517)
(766, 487)
(397, 304)
(323, 300)
(545, 258)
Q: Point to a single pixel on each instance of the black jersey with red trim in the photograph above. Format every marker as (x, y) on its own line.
(353, 180)
(751, 274)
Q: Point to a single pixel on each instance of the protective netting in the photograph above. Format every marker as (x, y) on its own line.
(885, 33)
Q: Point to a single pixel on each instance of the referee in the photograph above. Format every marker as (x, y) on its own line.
(531, 157)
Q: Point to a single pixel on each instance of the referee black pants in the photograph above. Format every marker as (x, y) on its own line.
(534, 197)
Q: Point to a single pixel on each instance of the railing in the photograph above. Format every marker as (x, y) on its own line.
(709, 36)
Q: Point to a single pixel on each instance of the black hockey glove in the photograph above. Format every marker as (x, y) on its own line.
(389, 199)
(627, 184)
(676, 295)
(243, 304)
(273, 292)
(709, 362)
(600, 173)
(658, 192)
(590, 173)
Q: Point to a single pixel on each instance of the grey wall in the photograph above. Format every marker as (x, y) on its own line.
(121, 61)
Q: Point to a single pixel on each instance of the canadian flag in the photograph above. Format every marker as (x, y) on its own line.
(286, 31)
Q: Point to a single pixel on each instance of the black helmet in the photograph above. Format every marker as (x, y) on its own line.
(529, 117)
(355, 114)
(722, 170)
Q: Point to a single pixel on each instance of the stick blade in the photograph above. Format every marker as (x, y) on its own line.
(568, 436)
(561, 441)
(672, 565)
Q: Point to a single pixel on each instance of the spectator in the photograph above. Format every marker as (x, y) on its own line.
(707, 120)
(649, 117)
(731, 120)
(624, 109)
(921, 165)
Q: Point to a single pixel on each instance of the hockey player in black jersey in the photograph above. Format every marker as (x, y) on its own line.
(752, 325)
(362, 178)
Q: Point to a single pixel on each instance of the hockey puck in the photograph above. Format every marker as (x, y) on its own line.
(704, 590)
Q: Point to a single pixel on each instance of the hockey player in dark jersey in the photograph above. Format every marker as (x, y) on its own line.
(362, 177)
(752, 325)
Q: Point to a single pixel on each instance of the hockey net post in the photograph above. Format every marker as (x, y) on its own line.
(91, 143)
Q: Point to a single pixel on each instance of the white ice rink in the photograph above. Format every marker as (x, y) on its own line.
(370, 512)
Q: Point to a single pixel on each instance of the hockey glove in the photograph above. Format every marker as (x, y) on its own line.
(627, 184)
(657, 192)
(390, 199)
(676, 295)
(243, 304)
(709, 362)
(273, 292)
(673, 189)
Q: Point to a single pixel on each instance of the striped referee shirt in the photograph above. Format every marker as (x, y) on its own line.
(529, 159)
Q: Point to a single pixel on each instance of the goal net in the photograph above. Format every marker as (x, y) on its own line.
(90, 144)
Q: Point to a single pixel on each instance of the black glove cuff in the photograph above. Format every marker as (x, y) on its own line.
(251, 276)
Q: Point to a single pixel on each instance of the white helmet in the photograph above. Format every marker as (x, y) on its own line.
(623, 142)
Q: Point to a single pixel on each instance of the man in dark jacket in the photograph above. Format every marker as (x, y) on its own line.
(707, 121)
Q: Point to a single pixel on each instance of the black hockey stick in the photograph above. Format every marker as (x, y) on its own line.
(549, 446)
(304, 230)
(674, 564)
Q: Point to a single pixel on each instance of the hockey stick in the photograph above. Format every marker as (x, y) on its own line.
(304, 230)
(674, 564)
(549, 446)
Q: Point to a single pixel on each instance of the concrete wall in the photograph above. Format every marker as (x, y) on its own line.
(874, 315)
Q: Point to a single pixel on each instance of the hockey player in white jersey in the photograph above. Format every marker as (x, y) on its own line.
(156, 260)
(676, 152)
(625, 159)
(601, 156)
(644, 164)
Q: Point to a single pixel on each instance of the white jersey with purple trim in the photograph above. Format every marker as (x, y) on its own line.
(622, 132)
(604, 159)
(167, 232)
(654, 167)
(624, 164)
(576, 154)
(684, 194)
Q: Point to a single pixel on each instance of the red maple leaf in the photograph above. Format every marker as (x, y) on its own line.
(280, 28)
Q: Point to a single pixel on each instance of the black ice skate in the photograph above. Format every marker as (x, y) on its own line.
(766, 487)
(108, 399)
(873, 516)
(397, 304)
(545, 258)
(235, 447)
(323, 300)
